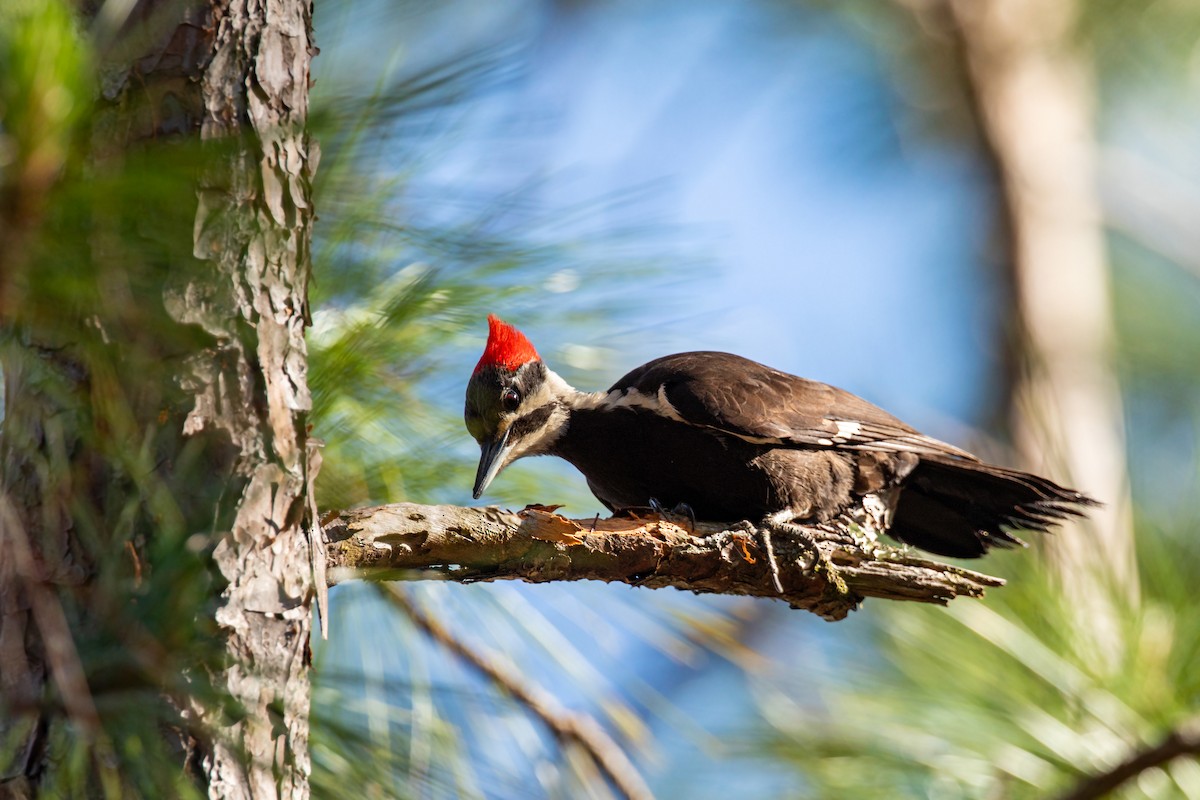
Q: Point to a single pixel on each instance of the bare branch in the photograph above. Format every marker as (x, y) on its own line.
(567, 726)
(474, 544)
(1181, 741)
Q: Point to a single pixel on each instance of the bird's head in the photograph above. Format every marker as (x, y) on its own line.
(513, 406)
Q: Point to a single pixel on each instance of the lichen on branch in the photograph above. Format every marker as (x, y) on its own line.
(829, 575)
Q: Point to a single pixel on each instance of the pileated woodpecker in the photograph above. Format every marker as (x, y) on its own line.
(734, 440)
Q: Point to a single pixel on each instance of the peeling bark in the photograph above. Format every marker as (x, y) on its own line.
(253, 225)
(174, 379)
(484, 544)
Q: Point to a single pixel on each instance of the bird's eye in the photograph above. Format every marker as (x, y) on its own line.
(510, 399)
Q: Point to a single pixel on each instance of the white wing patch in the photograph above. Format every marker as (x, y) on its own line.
(859, 436)
(853, 434)
(846, 430)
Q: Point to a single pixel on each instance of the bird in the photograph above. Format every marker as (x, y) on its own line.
(729, 439)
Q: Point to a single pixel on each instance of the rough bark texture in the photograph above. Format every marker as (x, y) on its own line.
(253, 226)
(103, 449)
(478, 544)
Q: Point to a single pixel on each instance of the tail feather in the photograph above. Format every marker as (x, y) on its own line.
(924, 521)
(963, 508)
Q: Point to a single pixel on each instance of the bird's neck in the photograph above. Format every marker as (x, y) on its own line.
(561, 393)
(554, 402)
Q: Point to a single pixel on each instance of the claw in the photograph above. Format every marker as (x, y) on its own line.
(679, 510)
(684, 510)
(771, 562)
(781, 524)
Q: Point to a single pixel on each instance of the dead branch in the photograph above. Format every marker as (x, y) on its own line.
(567, 726)
(535, 545)
(1181, 741)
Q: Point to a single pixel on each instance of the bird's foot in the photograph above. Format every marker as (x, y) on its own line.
(860, 526)
(813, 561)
(680, 513)
(769, 549)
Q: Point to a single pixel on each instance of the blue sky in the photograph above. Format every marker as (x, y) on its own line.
(841, 245)
(815, 231)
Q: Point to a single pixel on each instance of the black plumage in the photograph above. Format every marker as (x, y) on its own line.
(734, 439)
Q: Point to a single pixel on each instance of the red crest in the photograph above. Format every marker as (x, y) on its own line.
(506, 347)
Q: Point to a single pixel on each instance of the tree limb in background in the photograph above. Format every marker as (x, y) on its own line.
(567, 726)
(1031, 85)
(475, 544)
(1181, 741)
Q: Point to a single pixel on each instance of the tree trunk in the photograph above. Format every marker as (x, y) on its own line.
(169, 399)
(254, 229)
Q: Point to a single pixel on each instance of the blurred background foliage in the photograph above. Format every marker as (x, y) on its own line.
(1006, 699)
(796, 181)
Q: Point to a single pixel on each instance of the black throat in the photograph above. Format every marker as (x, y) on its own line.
(632, 455)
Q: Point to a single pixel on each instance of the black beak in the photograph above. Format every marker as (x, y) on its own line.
(491, 459)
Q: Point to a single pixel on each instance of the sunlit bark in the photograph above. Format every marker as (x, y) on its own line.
(192, 373)
(829, 575)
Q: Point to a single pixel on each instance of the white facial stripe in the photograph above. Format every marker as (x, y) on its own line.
(539, 441)
(553, 391)
(548, 391)
(588, 401)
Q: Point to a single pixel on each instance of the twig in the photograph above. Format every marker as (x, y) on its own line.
(66, 667)
(567, 726)
(406, 540)
(51, 620)
(1183, 740)
(771, 562)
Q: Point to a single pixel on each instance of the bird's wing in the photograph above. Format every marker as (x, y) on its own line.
(740, 397)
